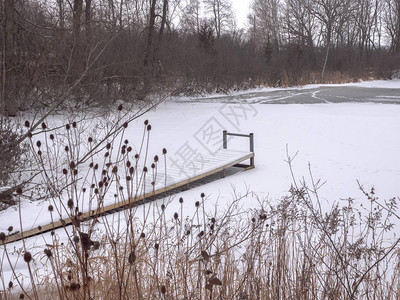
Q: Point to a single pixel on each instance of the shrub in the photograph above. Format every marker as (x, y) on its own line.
(11, 151)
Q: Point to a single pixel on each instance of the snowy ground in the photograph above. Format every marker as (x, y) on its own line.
(343, 142)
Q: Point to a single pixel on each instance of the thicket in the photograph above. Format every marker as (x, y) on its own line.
(110, 50)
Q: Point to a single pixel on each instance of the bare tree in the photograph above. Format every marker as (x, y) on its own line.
(392, 21)
(265, 14)
(221, 13)
(329, 12)
(190, 17)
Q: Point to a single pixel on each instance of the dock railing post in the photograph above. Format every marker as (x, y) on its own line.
(251, 135)
(224, 139)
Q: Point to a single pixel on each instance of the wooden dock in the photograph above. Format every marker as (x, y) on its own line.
(209, 168)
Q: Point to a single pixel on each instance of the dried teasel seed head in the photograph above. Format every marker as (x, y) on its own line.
(96, 191)
(68, 127)
(156, 158)
(115, 169)
(84, 190)
(126, 142)
(52, 136)
(44, 125)
(27, 257)
(100, 184)
(38, 144)
(70, 203)
(136, 156)
(96, 166)
(131, 170)
(132, 258)
(176, 216)
(128, 178)
(125, 125)
(19, 190)
(90, 140)
(202, 195)
(96, 245)
(162, 207)
(129, 149)
(163, 289)
(66, 148)
(2, 236)
(50, 208)
(72, 165)
(146, 122)
(200, 234)
(107, 154)
(121, 188)
(197, 204)
(27, 124)
(75, 239)
(213, 220)
(153, 165)
(10, 285)
(10, 228)
(120, 107)
(30, 135)
(253, 220)
(156, 246)
(181, 200)
(39, 228)
(74, 286)
(128, 164)
(148, 127)
(65, 172)
(108, 146)
(48, 253)
(142, 235)
(123, 151)
(164, 151)
(74, 124)
(145, 169)
(39, 153)
(21, 296)
(187, 232)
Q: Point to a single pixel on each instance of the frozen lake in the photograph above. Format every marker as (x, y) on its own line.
(375, 92)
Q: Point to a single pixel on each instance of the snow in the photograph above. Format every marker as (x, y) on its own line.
(342, 143)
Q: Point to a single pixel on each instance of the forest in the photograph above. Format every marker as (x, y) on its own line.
(96, 52)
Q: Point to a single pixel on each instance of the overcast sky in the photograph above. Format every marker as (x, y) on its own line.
(241, 8)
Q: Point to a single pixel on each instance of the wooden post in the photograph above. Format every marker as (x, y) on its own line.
(251, 148)
(224, 139)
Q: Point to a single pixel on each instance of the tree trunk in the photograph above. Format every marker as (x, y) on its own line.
(150, 33)
(88, 20)
(77, 63)
(9, 105)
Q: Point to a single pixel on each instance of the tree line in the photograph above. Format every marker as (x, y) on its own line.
(103, 50)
